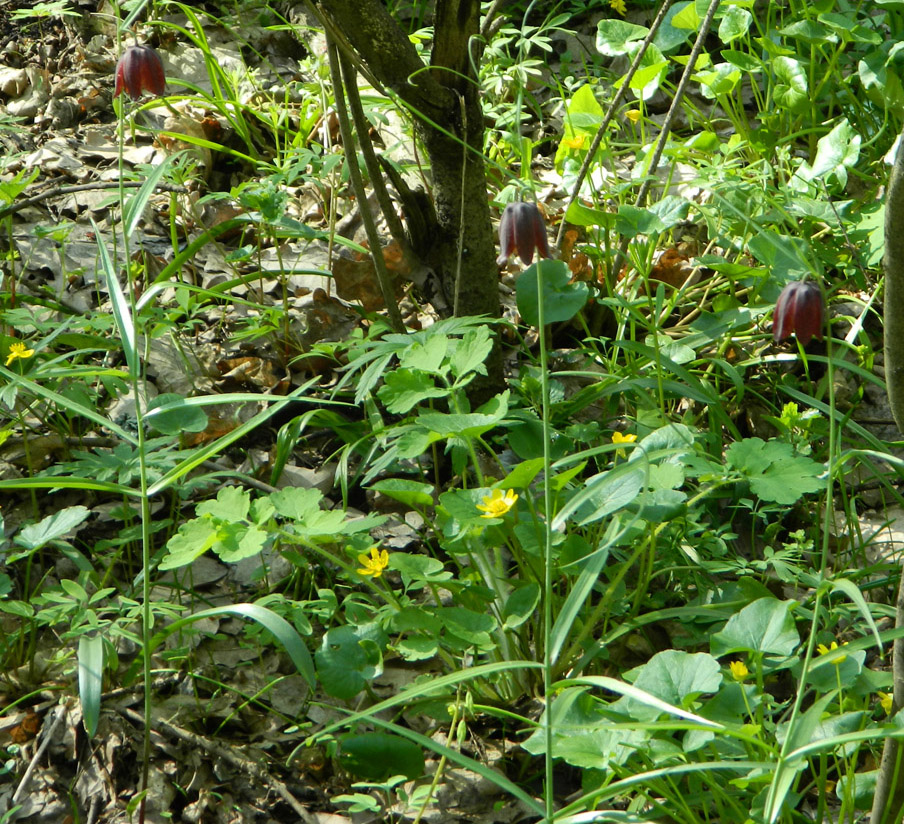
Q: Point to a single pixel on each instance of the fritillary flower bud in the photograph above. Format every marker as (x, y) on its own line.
(800, 309)
(522, 229)
(140, 69)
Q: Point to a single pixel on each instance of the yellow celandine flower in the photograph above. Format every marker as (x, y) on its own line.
(619, 437)
(822, 649)
(497, 503)
(633, 115)
(375, 563)
(18, 350)
(619, 6)
(576, 142)
(739, 670)
(886, 701)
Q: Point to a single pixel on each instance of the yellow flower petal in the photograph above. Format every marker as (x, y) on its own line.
(18, 351)
(373, 564)
(739, 670)
(497, 503)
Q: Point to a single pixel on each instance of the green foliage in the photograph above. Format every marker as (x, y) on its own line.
(608, 532)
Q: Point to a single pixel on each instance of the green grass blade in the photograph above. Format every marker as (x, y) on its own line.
(90, 678)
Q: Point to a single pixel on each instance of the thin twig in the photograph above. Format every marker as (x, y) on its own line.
(228, 754)
(610, 113)
(54, 191)
(62, 712)
(667, 124)
(354, 173)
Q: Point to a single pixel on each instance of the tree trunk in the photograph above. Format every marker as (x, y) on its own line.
(444, 100)
(888, 802)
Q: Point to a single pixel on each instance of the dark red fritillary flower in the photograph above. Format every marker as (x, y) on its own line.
(800, 309)
(522, 229)
(140, 69)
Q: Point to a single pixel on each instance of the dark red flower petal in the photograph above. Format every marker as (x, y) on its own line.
(522, 229)
(800, 309)
(140, 69)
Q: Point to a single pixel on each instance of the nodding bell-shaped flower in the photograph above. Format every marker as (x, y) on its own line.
(800, 309)
(140, 69)
(522, 230)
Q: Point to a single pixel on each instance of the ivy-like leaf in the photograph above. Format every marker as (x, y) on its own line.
(775, 472)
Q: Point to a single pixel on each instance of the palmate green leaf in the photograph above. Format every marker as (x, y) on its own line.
(718, 81)
(468, 424)
(615, 37)
(467, 355)
(632, 221)
(472, 627)
(836, 152)
(775, 472)
(671, 37)
(791, 91)
(296, 503)
(232, 504)
(562, 299)
(403, 389)
(521, 605)
(192, 540)
(764, 627)
(347, 659)
(673, 676)
(170, 415)
(734, 24)
(582, 735)
(826, 670)
(376, 756)
(237, 542)
(406, 491)
(427, 356)
(417, 647)
(418, 568)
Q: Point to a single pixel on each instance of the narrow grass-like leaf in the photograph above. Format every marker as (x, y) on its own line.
(456, 757)
(90, 678)
(133, 208)
(622, 688)
(198, 457)
(282, 630)
(69, 482)
(853, 592)
(122, 312)
(642, 779)
(420, 690)
(63, 402)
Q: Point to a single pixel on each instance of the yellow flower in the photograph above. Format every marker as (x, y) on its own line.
(633, 115)
(18, 350)
(618, 437)
(822, 649)
(576, 142)
(739, 670)
(497, 503)
(619, 6)
(886, 701)
(375, 563)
